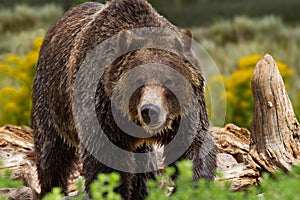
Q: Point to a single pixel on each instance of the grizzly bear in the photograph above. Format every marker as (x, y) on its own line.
(144, 96)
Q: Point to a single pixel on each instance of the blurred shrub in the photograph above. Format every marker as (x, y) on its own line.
(240, 103)
(215, 98)
(188, 13)
(23, 17)
(101, 189)
(19, 43)
(21, 24)
(229, 40)
(6, 181)
(16, 77)
(56, 194)
(244, 29)
(276, 187)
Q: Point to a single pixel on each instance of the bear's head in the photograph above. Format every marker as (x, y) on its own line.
(151, 86)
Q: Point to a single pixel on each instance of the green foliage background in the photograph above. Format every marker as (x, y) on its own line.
(238, 92)
(187, 13)
(16, 78)
(22, 24)
(228, 42)
(236, 45)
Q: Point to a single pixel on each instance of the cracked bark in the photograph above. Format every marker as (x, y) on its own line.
(275, 129)
(274, 142)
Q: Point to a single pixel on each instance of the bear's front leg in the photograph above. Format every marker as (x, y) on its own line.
(148, 167)
(202, 152)
(55, 159)
(92, 167)
(203, 156)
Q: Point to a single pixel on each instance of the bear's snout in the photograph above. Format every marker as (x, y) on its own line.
(150, 114)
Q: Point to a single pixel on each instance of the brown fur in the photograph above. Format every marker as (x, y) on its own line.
(66, 45)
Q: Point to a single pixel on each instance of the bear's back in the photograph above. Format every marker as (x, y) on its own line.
(68, 42)
(84, 27)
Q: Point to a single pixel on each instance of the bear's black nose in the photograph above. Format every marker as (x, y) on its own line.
(150, 114)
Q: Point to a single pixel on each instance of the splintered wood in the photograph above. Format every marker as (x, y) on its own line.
(234, 161)
(17, 155)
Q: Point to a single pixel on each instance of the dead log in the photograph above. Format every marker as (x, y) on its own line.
(233, 161)
(17, 154)
(24, 193)
(275, 129)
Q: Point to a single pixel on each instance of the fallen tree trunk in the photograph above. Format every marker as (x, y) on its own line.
(17, 154)
(234, 161)
(273, 144)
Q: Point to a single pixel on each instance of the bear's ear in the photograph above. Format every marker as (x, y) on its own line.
(124, 40)
(187, 39)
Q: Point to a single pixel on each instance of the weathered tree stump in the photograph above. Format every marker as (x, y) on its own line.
(275, 129)
(275, 139)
